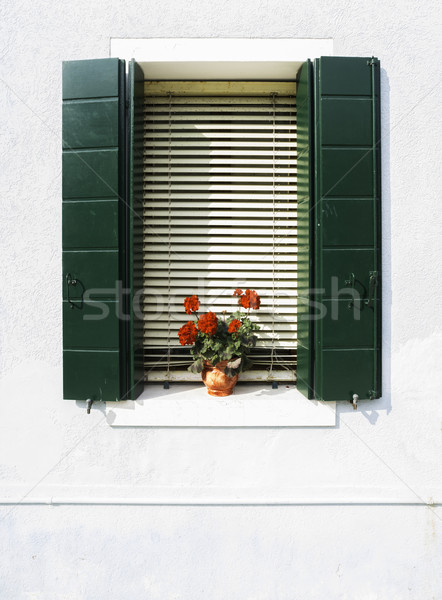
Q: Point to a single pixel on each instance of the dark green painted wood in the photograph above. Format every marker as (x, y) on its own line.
(90, 224)
(346, 121)
(93, 238)
(345, 222)
(91, 78)
(347, 324)
(93, 374)
(90, 124)
(337, 266)
(346, 172)
(92, 174)
(94, 324)
(304, 371)
(135, 231)
(96, 270)
(347, 372)
(343, 76)
(347, 227)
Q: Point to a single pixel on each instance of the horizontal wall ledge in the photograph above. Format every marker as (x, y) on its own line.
(60, 501)
(180, 495)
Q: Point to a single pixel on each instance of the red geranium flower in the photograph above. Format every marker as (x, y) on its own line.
(250, 299)
(237, 292)
(187, 334)
(208, 323)
(234, 326)
(191, 304)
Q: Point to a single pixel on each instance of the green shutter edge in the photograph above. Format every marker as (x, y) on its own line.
(305, 354)
(134, 229)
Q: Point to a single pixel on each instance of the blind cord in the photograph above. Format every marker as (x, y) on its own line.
(272, 355)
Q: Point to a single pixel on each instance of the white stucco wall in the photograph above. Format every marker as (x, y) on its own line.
(350, 511)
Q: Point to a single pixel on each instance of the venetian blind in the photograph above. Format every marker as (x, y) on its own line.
(219, 213)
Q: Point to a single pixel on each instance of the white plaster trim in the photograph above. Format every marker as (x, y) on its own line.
(181, 495)
(167, 501)
(251, 405)
(220, 58)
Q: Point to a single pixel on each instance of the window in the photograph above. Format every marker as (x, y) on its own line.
(338, 229)
(219, 214)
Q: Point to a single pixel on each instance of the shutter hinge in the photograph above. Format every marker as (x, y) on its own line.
(372, 395)
(372, 62)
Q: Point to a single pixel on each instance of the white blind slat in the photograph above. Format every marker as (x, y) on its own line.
(243, 129)
(190, 179)
(203, 247)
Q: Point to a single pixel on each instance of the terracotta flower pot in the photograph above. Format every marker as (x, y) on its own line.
(216, 381)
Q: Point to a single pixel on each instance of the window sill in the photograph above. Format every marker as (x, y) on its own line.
(251, 405)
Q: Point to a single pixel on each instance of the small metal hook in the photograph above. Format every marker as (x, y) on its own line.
(373, 283)
(350, 282)
(89, 403)
(73, 281)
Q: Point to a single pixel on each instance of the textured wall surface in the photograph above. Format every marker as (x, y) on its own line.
(348, 512)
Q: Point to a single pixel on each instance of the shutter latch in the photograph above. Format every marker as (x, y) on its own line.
(72, 281)
(350, 282)
(373, 282)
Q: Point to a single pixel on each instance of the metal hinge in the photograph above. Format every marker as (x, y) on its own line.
(372, 62)
(354, 401)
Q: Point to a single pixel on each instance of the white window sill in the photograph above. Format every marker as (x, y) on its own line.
(251, 405)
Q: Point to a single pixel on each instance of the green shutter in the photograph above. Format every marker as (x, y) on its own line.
(94, 337)
(135, 229)
(304, 371)
(347, 228)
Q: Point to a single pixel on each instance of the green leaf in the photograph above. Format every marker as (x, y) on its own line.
(234, 364)
(247, 363)
(197, 366)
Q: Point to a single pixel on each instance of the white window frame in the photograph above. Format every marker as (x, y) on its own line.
(187, 405)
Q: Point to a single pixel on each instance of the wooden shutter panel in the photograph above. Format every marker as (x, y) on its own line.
(94, 361)
(347, 228)
(304, 109)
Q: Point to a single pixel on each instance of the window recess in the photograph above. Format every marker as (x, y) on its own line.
(219, 195)
(338, 339)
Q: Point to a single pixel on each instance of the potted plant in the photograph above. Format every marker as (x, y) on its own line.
(220, 345)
